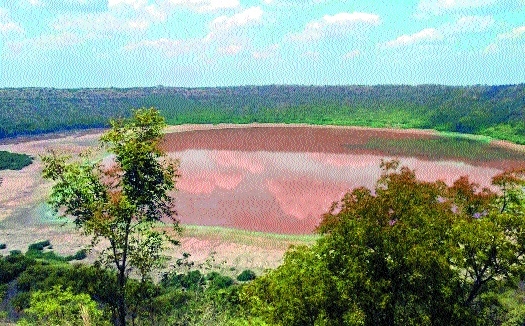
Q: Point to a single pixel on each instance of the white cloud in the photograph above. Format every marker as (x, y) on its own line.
(504, 40)
(46, 42)
(441, 6)
(139, 9)
(268, 1)
(249, 16)
(168, 47)
(471, 24)
(337, 24)
(69, 5)
(136, 4)
(205, 5)
(35, 3)
(269, 52)
(426, 35)
(513, 34)
(227, 27)
(491, 48)
(232, 49)
(155, 13)
(351, 54)
(105, 22)
(222, 29)
(7, 25)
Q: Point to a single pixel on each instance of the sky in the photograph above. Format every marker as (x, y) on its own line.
(207, 43)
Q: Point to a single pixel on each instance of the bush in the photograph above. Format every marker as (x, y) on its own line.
(246, 275)
(11, 266)
(62, 307)
(218, 281)
(3, 246)
(81, 254)
(189, 281)
(14, 161)
(39, 245)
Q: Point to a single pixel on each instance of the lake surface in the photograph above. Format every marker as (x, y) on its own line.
(282, 179)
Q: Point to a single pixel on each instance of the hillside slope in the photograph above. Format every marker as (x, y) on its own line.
(496, 111)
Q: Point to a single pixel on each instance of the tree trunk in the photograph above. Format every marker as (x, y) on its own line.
(121, 303)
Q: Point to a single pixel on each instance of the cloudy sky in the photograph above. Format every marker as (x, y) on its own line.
(125, 43)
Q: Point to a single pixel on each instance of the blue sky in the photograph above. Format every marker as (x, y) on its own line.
(193, 43)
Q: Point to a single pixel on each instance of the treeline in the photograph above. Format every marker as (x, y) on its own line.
(496, 111)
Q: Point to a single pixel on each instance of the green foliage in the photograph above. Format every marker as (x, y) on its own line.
(39, 245)
(217, 281)
(495, 111)
(14, 161)
(299, 292)
(246, 275)
(36, 251)
(122, 201)
(62, 307)
(192, 280)
(12, 265)
(191, 298)
(79, 255)
(42, 275)
(408, 253)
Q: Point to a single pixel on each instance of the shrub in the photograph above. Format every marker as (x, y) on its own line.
(246, 275)
(39, 245)
(189, 281)
(81, 254)
(3, 246)
(62, 307)
(14, 161)
(218, 281)
(11, 266)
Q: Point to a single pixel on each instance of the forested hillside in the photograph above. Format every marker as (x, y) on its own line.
(496, 111)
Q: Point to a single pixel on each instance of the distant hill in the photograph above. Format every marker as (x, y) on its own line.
(496, 111)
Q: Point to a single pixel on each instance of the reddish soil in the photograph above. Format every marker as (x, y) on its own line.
(282, 179)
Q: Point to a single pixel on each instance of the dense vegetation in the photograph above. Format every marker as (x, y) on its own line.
(39, 288)
(14, 161)
(496, 111)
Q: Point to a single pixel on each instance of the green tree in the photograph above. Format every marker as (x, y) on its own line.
(62, 307)
(121, 201)
(407, 253)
